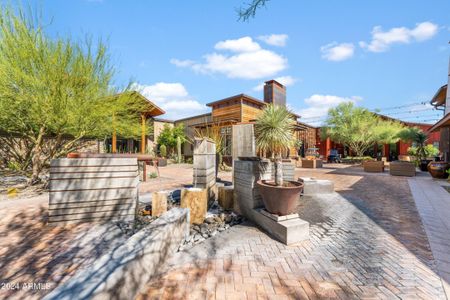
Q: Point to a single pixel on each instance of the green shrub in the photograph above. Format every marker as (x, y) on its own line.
(163, 150)
(430, 151)
(13, 165)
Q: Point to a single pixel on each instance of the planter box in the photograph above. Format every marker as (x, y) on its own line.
(162, 162)
(402, 168)
(373, 166)
(311, 164)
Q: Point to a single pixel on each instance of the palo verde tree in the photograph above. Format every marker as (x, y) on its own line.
(358, 128)
(54, 93)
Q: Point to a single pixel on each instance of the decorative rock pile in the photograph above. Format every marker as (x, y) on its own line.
(217, 220)
(130, 228)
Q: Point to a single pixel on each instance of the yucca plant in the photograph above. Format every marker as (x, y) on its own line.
(274, 134)
(214, 133)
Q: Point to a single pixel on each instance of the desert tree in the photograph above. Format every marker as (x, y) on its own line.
(358, 128)
(55, 93)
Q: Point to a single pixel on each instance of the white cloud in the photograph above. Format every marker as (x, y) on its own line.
(382, 40)
(173, 98)
(249, 61)
(318, 106)
(337, 52)
(278, 40)
(244, 44)
(284, 80)
(182, 63)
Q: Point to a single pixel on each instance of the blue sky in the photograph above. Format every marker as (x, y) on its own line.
(183, 54)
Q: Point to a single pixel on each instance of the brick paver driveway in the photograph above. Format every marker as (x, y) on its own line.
(367, 241)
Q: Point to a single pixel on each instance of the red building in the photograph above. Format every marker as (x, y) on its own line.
(392, 151)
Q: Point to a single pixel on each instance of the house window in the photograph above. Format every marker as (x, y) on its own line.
(226, 140)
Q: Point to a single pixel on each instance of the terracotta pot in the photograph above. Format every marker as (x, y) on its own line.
(438, 169)
(73, 155)
(280, 200)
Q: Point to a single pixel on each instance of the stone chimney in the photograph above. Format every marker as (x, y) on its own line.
(447, 100)
(275, 93)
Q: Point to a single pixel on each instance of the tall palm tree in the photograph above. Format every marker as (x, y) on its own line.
(274, 134)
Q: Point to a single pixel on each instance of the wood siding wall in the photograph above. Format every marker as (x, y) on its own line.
(189, 130)
(227, 113)
(249, 112)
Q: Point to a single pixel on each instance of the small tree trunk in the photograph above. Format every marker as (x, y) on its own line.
(278, 172)
(178, 149)
(36, 158)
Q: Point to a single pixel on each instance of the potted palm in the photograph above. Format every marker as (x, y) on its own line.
(274, 134)
(419, 138)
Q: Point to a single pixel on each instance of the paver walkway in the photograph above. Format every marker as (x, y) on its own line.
(433, 203)
(367, 241)
(35, 257)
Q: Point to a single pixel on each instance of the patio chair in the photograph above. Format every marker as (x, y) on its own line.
(373, 166)
(402, 168)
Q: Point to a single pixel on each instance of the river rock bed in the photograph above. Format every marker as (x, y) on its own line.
(217, 221)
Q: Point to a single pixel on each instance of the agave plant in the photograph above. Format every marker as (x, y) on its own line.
(274, 134)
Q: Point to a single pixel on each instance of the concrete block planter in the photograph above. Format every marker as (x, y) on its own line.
(121, 273)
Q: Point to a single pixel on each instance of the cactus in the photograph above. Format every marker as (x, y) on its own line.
(178, 149)
(163, 150)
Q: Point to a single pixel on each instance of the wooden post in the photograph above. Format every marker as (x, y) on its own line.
(114, 142)
(159, 203)
(114, 136)
(197, 201)
(226, 200)
(143, 125)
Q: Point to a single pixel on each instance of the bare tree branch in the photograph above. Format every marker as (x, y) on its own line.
(248, 12)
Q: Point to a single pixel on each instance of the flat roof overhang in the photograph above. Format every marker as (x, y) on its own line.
(444, 122)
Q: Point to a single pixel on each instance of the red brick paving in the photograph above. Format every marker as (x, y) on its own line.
(33, 252)
(366, 242)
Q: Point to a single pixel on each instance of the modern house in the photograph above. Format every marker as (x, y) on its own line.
(244, 109)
